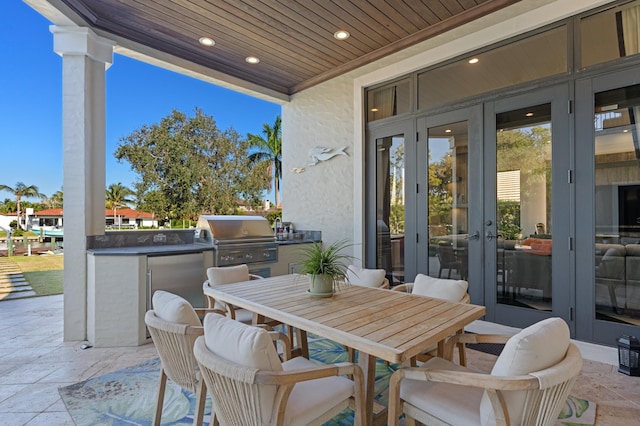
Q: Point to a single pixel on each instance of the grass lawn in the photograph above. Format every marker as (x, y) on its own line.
(44, 273)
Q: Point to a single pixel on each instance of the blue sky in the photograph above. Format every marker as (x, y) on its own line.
(137, 94)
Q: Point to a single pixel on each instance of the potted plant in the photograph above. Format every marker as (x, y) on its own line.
(325, 268)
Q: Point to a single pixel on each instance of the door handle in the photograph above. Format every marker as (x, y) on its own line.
(474, 236)
(489, 235)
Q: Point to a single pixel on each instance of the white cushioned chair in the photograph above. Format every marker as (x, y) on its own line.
(219, 275)
(174, 326)
(249, 385)
(234, 274)
(439, 288)
(367, 277)
(528, 384)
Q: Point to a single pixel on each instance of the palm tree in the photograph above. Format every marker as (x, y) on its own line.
(269, 150)
(56, 200)
(117, 195)
(22, 190)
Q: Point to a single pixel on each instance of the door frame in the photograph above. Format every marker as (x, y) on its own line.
(589, 328)
(562, 269)
(407, 128)
(473, 116)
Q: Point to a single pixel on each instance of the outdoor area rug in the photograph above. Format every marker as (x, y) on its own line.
(127, 396)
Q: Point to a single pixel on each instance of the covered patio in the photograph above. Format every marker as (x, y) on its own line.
(321, 80)
(36, 362)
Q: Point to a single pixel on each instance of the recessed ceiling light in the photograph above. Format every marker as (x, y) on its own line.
(374, 109)
(206, 41)
(341, 35)
(474, 60)
(252, 59)
(448, 131)
(529, 114)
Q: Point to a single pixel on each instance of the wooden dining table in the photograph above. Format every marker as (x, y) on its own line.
(379, 323)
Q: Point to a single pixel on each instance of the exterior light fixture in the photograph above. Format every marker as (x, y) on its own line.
(341, 35)
(529, 114)
(448, 131)
(474, 60)
(374, 109)
(629, 355)
(206, 41)
(252, 59)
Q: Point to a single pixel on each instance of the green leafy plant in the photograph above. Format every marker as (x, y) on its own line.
(331, 261)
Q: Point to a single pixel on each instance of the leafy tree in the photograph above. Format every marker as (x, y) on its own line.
(187, 166)
(439, 193)
(528, 150)
(396, 213)
(21, 190)
(56, 200)
(269, 151)
(116, 197)
(8, 206)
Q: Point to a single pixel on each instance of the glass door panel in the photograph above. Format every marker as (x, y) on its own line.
(617, 205)
(447, 201)
(527, 228)
(524, 207)
(390, 207)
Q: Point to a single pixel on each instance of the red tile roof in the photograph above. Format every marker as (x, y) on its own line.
(126, 213)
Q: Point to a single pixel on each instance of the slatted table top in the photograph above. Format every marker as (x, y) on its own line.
(390, 325)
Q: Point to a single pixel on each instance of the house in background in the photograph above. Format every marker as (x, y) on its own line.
(130, 218)
(433, 102)
(6, 219)
(124, 218)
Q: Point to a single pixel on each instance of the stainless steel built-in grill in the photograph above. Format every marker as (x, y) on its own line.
(237, 240)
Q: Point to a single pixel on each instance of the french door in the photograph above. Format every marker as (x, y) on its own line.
(494, 204)
(608, 228)
(449, 197)
(390, 206)
(526, 226)
(482, 194)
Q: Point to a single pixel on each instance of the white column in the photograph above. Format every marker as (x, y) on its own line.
(85, 59)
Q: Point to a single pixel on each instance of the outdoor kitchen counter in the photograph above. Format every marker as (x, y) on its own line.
(290, 242)
(168, 249)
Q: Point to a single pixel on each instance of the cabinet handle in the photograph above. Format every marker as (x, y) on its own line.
(149, 289)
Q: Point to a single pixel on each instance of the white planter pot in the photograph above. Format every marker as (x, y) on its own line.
(320, 285)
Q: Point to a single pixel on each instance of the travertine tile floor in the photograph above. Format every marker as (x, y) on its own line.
(34, 362)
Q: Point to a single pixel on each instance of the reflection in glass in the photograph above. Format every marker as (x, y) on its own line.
(388, 101)
(617, 205)
(611, 34)
(390, 204)
(535, 57)
(523, 203)
(448, 197)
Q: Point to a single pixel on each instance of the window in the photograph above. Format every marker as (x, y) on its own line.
(610, 35)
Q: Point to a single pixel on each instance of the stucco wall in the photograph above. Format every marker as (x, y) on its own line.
(321, 197)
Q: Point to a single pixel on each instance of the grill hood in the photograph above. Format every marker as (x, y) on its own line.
(223, 229)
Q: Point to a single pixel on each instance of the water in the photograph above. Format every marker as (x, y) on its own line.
(37, 247)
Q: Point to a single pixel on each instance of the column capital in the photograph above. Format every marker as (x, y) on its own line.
(68, 40)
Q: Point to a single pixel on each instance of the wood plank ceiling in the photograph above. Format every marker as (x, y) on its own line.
(293, 39)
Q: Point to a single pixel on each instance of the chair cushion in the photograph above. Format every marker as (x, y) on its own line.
(441, 288)
(310, 399)
(173, 308)
(453, 404)
(241, 343)
(535, 348)
(365, 277)
(245, 345)
(228, 274)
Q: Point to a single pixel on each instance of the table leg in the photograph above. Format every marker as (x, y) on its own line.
(368, 365)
